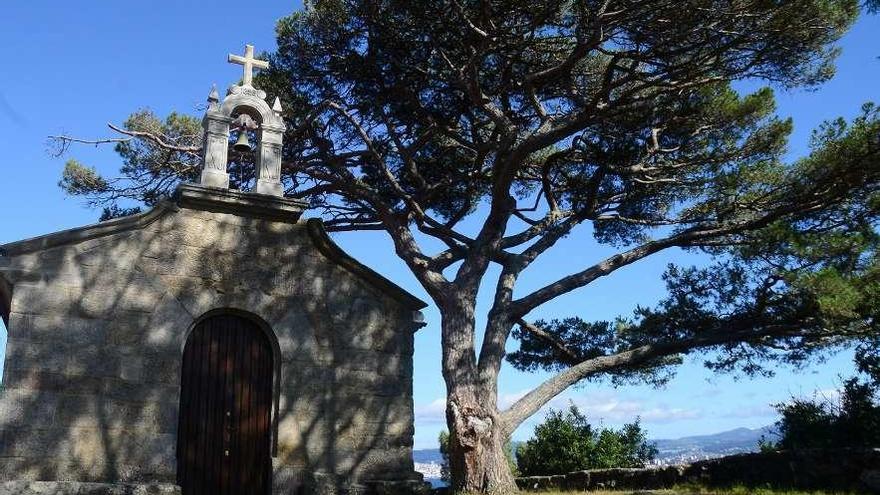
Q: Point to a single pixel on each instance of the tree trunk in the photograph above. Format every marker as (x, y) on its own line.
(476, 449)
(476, 439)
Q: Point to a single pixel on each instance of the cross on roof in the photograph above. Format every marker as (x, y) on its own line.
(249, 63)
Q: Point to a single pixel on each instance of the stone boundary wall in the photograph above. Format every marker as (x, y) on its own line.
(319, 485)
(836, 469)
(78, 488)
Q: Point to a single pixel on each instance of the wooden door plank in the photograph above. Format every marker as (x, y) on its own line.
(227, 368)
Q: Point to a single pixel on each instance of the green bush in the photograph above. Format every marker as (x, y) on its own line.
(566, 442)
(443, 439)
(853, 420)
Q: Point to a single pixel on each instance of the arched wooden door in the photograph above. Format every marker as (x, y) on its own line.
(223, 437)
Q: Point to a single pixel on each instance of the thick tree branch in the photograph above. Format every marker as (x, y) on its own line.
(691, 237)
(522, 306)
(538, 397)
(566, 353)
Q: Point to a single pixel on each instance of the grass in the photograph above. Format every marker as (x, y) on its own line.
(728, 491)
(700, 490)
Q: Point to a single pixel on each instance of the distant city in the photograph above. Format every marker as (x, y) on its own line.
(690, 449)
(670, 451)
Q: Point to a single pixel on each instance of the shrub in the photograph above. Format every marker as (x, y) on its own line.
(853, 420)
(566, 442)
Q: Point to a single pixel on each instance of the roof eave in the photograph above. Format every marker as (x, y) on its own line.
(332, 251)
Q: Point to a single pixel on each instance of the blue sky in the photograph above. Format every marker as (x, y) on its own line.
(73, 67)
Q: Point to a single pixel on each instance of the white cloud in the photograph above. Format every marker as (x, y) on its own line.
(669, 414)
(599, 408)
(756, 411)
(433, 412)
(617, 409)
(507, 400)
(822, 395)
(831, 394)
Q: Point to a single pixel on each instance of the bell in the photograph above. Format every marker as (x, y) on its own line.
(242, 145)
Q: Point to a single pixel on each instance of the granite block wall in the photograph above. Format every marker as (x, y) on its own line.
(97, 328)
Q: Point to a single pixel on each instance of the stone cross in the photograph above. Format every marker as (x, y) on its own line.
(249, 63)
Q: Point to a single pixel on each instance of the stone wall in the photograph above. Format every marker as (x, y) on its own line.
(97, 328)
(833, 469)
(79, 488)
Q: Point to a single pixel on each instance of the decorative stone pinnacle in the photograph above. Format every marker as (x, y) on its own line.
(249, 62)
(276, 106)
(214, 96)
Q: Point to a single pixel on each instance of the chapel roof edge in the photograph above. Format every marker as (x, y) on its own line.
(200, 197)
(87, 232)
(331, 250)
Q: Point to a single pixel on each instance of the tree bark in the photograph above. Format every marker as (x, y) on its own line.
(476, 450)
(477, 435)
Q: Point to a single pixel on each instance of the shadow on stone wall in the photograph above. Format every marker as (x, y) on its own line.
(97, 329)
(832, 469)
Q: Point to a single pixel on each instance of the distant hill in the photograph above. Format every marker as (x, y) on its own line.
(689, 449)
(672, 451)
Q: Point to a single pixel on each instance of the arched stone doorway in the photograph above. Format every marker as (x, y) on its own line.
(224, 429)
(5, 299)
(5, 308)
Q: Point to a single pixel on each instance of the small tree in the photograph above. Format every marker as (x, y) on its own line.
(566, 442)
(851, 420)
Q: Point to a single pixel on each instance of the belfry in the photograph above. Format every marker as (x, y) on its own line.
(244, 103)
(215, 344)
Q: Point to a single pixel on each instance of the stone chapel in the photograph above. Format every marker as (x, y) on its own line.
(216, 344)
